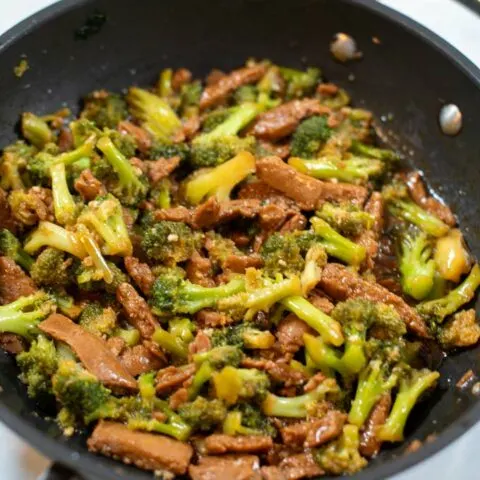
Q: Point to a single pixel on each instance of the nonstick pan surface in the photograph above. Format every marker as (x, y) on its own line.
(74, 47)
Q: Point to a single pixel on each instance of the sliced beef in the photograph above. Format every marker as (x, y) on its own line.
(180, 77)
(239, 263)
(201, 343)
(141, 274)
(174, 214)
(173, 377)
(313, 382)
(206, 214)
(295, 222)
(369, 444)
(319, 300)
(92, 351)
(65, 140)
(226, 467)
(263, 192)
(116, 345)
(284, 119)
(200, 271)
(12, 343)
(212, 318)
(271, 217)
(341, 283)
(220, 443)
(88, 186)
(161, 168)
(139, 359)
(136, 310)
(290, 333)
(301, 465)
(316, 432)
(308, 192)
(178, 398)
(421, 197)
(279, 370)
(6, 218)
(145, 450)
(14, 282)
(141, 136)
(215, 94)
(223, 212)
(281, 150)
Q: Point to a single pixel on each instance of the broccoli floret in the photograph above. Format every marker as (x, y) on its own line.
(102, 275)
(182, 328)
(437, 310)
(37, 365)
(300, 84)
(315, 260)
(412, 213)
(413, 383)
(222, 143)
(352, 170)
(460, 331)
(131, 336)
(282, 254)
(245, 93)
(124, 142)
(416, 264)
(11, 247)
(105, 109)
(202, 414)
(82, 129)
(220, 248)
(337, 245)
(373, 152)
(219, 181)
(165, 150)
(190, 94)
(23, 315)
(105, 216)
(98, 320)
(63, 202)
(155, 114)
(130, 188)
(213, 119)
(347, 219)
(51, 268)
(298, 407)
(36, 130)
(173, 295)
(247, 419)
(342, 456)
(232, 384)
(13, 164)
(168, 242)
(309, 137)
(171, 343)
(243, 336)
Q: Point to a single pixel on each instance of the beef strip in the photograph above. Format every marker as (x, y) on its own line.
(300, 465)
(12, 343)
(341, 283)
(369, 444)
(212, 318)
(6, 218)
(173, 377)
(316, 432)
(180, 77)
(88, 186)
(290, 333)
(161, 168)
(92, 351)
(313, 382)
(200, 271)
(201, 343)
(226, 467)
(142, 137)
(279, 370)
(14, 282)
(220, 443)
(215, 94)
(137, 310)
(174, 214)
(284, 119)
(178, 398)
(65, 140)
(295, 222)
(141, 274)
(145, 450)
(319, 300)
(308, 192)
(421, 197)
(116, 345)
(139, 359)
(206, 214)
(212, 212)
(281, 150)
(239, 263)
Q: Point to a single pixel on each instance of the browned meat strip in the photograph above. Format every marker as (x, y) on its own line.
(308, 192)
(272, 473)
(279, 370)
(137, 310)
(206, 214)
(327, 89)
(139, 359)
(263, 192)
(145, 450)
(65, 140)
(271, 217)
(88, 186)
(6, 218)
(314, 382)
(369, 444)
(319, 300)
(226, 467)
(216, 93)
(212, 212)
(200, 271)
(214, 77)
(219, 443)
(296, 222)
(420, 196)
(161, 168)
(116, 345)
(211, 318)
(301, 465)
(178, 398)
(11, 343)
(191, 126)
(14, 282)
(281, 150)
(284, 119)
(141, 274)
(341, 283)
(239, 263)
(92, 351)
(290, 333)
(141, 136)
(314, 433)
(180, 78)
(173, 377)
(201, 343)
(174, 214)
(39, 206)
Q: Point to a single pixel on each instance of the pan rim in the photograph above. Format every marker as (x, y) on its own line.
(94, 465)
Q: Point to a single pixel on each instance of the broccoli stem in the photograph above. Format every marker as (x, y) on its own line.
(373, 152)
(164, 86)
(407, 397)
(36, 130)
(411, 212)
(336, 245)
(239, 119)
(170, 343)
(63, 203)
(323, 356)
(84, 150)
(202, 376)
(327, 327)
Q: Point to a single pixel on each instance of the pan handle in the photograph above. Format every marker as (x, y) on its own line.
(59, 472)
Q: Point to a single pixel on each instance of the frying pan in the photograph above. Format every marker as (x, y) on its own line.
(76, 46)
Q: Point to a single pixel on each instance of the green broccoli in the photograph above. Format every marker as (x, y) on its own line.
(247, 419)
(101, 275)
(203, 415)
(131, 336)
(171, 343)
(364, 150)
(182, 328)
(51, 268)
(13, 165)
(63, 202)
(190, 94)
(11, 247)
(168, 242)
(214, 118)
(309, 136)
(300, 84)
(282, 254)
(36, 130)
(315, 260)
(245, 93)
(347, 219)
(99, 320)
(244, 336)
(105, 109)
(154, 113)
(165, 150)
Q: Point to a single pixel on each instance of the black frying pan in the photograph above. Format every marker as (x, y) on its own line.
(76, 46)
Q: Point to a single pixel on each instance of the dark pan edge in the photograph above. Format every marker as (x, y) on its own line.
(84, 463)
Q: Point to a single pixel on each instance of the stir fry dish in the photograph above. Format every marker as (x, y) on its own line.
(228, 278)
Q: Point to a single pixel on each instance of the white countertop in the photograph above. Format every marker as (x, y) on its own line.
(461, 28)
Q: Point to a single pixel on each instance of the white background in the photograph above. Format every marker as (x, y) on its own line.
(461, 461)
